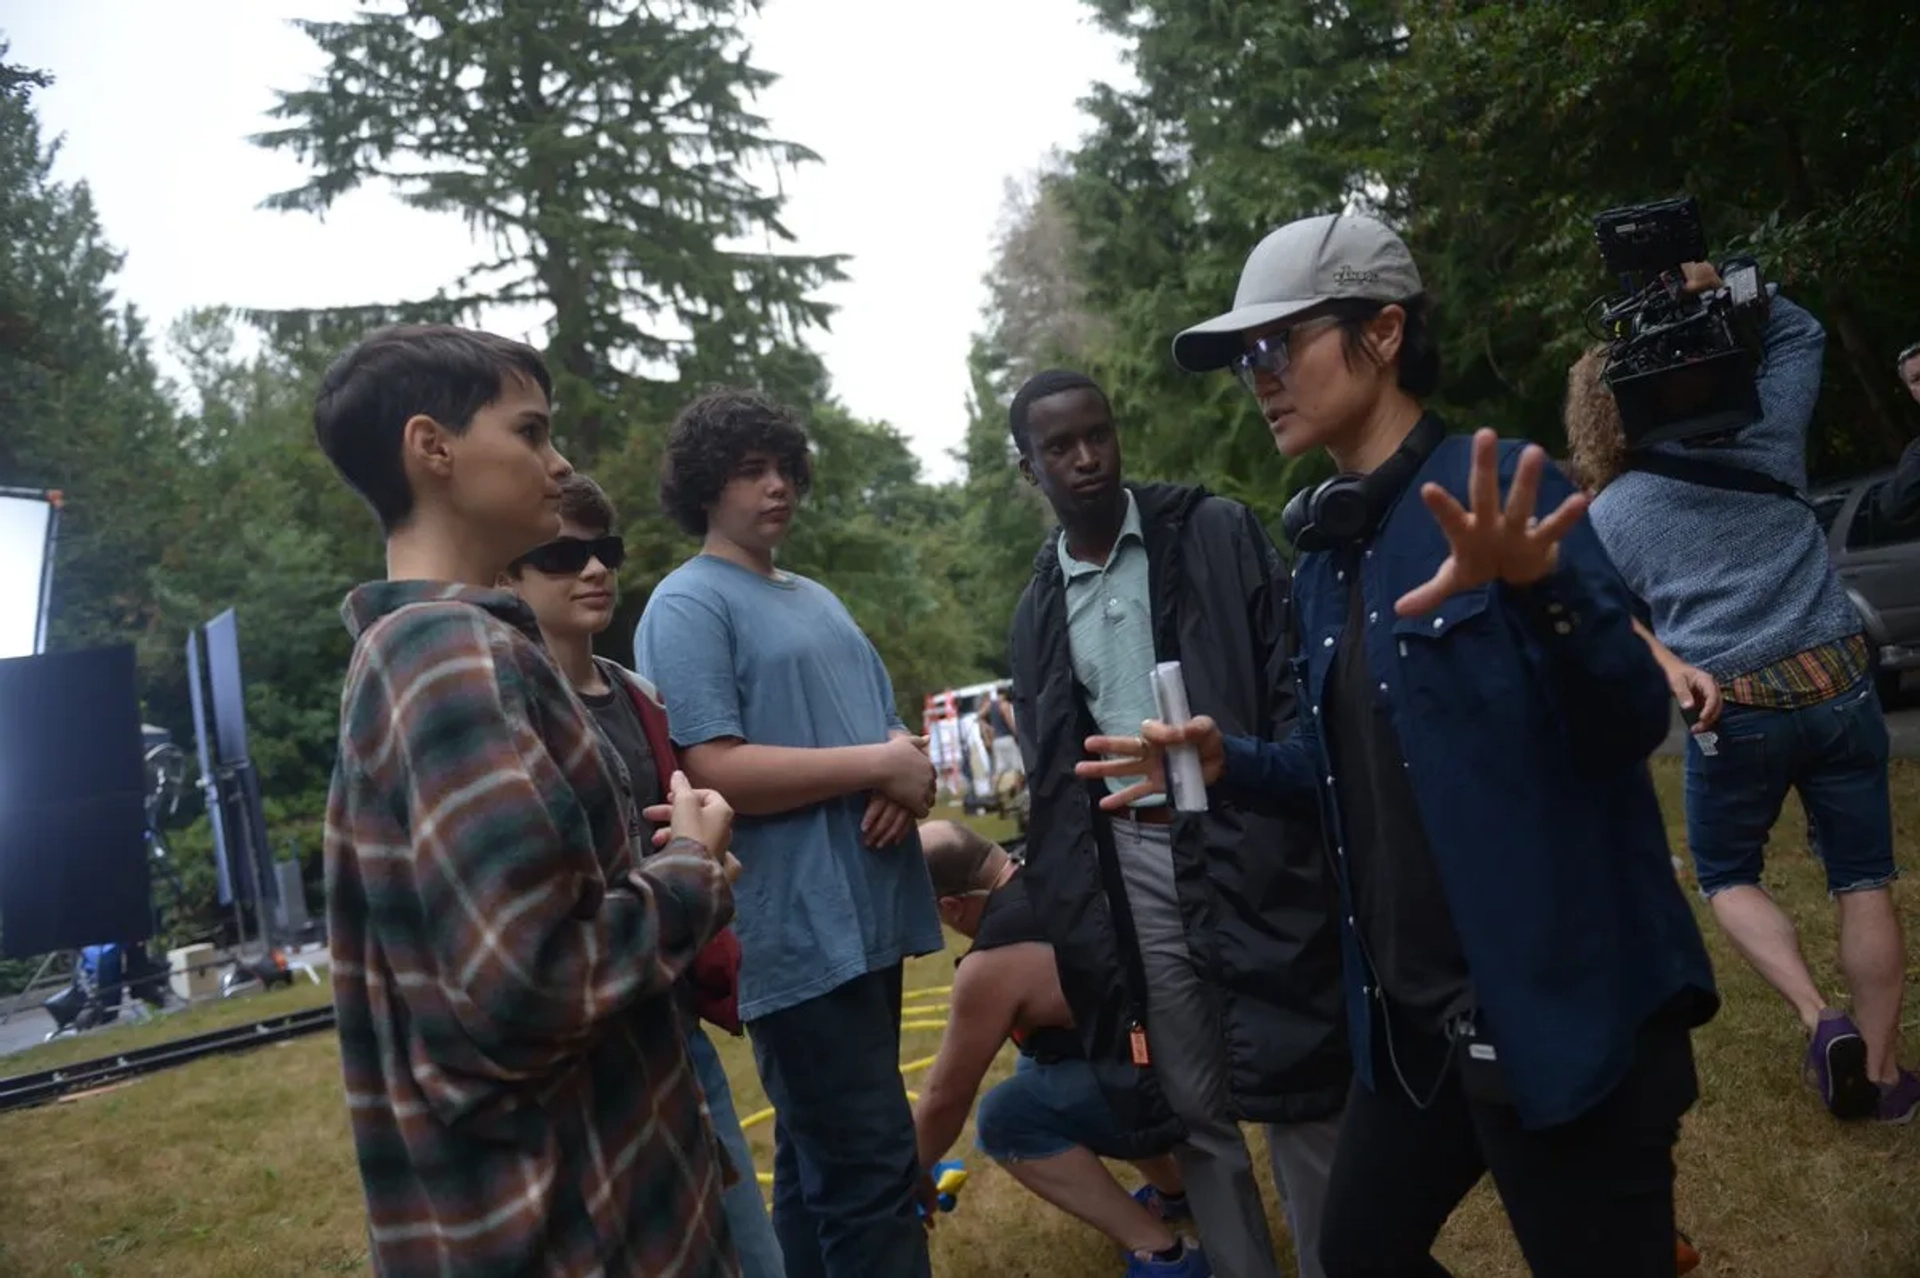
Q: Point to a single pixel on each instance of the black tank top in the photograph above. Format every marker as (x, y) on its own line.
(1009, 920)
(997, 719)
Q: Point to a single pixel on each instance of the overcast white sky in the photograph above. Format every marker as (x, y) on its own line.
(919, 112)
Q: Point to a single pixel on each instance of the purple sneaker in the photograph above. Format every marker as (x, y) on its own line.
(1837, 1069)
(1901, 1102)
(1162, 1206)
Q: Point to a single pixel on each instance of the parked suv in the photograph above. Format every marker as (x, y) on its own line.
(1880, 564)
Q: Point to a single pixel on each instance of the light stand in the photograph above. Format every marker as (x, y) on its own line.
(218, 693)
(210, 787)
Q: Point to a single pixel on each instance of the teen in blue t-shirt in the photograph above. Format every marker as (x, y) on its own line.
(777, 700)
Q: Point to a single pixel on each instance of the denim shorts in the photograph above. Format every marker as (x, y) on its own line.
(1044, 1110)
(1834, 753)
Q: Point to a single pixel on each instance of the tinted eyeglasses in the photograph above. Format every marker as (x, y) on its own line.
(1272, 353)
(568, 556)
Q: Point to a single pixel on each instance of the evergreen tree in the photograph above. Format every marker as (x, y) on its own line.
(605, 152)
(1248, 114)
(81, 407)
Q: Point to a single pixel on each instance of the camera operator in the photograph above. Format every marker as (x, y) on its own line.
(1733, 571)
(1521, 969)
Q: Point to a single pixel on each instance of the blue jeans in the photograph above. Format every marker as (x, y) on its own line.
(1045, 1110)
(845, 1160)
(1834, 753)
(747, 1221)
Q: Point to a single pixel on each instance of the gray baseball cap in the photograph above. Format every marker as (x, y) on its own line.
(1298, 267)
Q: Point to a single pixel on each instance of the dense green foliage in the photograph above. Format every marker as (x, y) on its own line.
(1490, 133)
(609, 157)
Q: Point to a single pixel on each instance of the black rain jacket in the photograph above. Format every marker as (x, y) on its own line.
(1256, 892)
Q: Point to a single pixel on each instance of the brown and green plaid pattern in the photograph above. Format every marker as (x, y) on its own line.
(1805, 679)
(516, 1076)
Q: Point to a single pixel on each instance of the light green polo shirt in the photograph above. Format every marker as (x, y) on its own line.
(1110, 632)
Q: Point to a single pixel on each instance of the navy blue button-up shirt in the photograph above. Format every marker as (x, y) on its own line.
(1526, 718)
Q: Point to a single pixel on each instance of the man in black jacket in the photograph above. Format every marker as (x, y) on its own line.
(1198, 952)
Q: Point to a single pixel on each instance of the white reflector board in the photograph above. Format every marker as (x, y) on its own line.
(26, 528)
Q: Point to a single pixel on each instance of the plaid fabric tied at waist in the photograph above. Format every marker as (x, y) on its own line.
(1804, 679)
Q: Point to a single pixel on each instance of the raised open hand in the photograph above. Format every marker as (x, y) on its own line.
(1488, 543)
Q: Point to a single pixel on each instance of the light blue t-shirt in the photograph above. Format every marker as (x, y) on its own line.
(781, 663)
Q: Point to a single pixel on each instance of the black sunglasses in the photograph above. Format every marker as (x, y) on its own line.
(568, 556)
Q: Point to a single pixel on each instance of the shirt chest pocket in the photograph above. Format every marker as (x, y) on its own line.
(1458, 613)
(1457, 654)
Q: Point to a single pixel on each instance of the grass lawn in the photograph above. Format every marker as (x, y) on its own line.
(241, 1165)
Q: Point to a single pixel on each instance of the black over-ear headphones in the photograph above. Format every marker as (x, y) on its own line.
(1346, 508)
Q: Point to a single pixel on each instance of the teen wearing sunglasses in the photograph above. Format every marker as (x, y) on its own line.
(1522, 970)
(569, 584)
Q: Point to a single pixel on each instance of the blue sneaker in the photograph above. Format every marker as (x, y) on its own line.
(1836, 1068)
(1161, 1205)
(1192, 1263)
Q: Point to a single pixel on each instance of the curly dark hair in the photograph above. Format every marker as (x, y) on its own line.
(710, 439)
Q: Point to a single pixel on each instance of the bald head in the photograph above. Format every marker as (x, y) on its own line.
(959, 858)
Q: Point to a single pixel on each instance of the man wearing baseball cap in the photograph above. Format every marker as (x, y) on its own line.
(1522, 970)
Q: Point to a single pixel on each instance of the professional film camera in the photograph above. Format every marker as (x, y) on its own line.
(1681, 365)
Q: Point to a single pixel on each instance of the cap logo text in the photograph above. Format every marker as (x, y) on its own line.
(1349, 275)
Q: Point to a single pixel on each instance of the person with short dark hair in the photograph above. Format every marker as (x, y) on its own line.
(1003, 747)
(1907, 365)
(1522, 970)
(1049, 1125)
(777, 700)
(1199, 952)
(516, 1078)
(571, 584)
(1899, 500)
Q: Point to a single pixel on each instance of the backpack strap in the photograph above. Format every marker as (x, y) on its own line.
(715, 975)
(1712, 474)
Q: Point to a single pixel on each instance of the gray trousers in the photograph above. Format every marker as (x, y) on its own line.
(1188, 1049)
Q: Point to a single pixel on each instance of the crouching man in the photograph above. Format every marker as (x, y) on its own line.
(1049, 1125)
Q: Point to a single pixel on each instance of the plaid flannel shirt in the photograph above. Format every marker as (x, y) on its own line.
(516, 1075)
